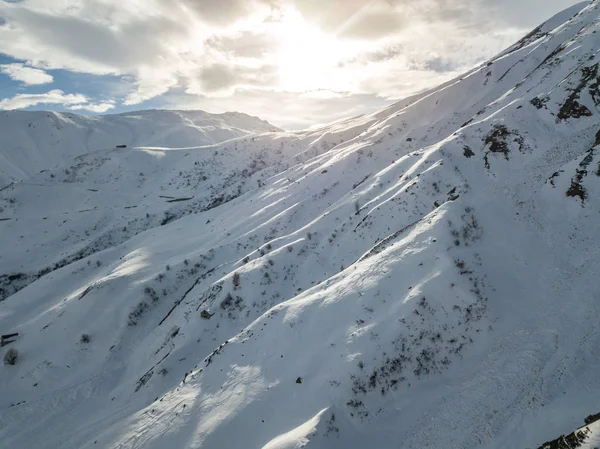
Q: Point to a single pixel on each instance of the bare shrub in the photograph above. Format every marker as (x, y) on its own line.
(236, 280)
(11, 356)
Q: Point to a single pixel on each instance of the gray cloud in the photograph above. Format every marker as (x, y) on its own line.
(244, 44)
(439, 65)
(224, 12)
(374, 25)
(382, 54)
(373, 19)
(119, 49)
(483, 14)
(378, 18)
(417, 61)
(219, 77)
(328, 15)
(362, 19)
(527, 14)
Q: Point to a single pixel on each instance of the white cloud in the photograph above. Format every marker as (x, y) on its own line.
(27, 75)
(75, 102)
(150, 83)
(216, 48)
(98, 108)
(55, 96)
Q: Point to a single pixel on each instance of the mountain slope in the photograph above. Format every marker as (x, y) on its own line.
(424, 276)
(34, 141)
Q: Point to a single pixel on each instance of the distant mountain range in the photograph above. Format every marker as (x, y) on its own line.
(40, 140)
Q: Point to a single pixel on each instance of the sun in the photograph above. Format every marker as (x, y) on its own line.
(308, 58)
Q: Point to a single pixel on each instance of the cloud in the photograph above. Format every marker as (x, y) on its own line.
(225, 12)
(82, 39)
(98, 108)
(150, 83)
(55, 96)
(354, 19)
(329, 15)
(101, 38)
(439, 64)
(26, 75)
(374, 24)
(222, 77)
(287, 110)
(243, 44)
(221, 48)
(376, 19)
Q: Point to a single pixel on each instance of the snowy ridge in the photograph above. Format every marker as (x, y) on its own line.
(34, 141)
(585, 437)
(422, 277)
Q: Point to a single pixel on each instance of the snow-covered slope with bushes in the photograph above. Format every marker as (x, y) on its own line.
(31, 142)
(422, 277)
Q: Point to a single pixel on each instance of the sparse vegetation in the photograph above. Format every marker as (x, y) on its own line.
(136, 313)
(151, 293)
(539, 102)
(11, 356)
(231, 304)
(577, 190)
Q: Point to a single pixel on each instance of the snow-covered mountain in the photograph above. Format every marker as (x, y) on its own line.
(34, 141)
(422, 277)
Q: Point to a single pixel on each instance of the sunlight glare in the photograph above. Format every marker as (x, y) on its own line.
(307, 58)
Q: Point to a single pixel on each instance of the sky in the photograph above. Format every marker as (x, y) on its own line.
(295, 63)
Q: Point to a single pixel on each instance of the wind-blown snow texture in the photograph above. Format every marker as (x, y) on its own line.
(423, 277)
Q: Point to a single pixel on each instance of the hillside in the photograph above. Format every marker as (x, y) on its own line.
(33, 141)
(421, 277)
